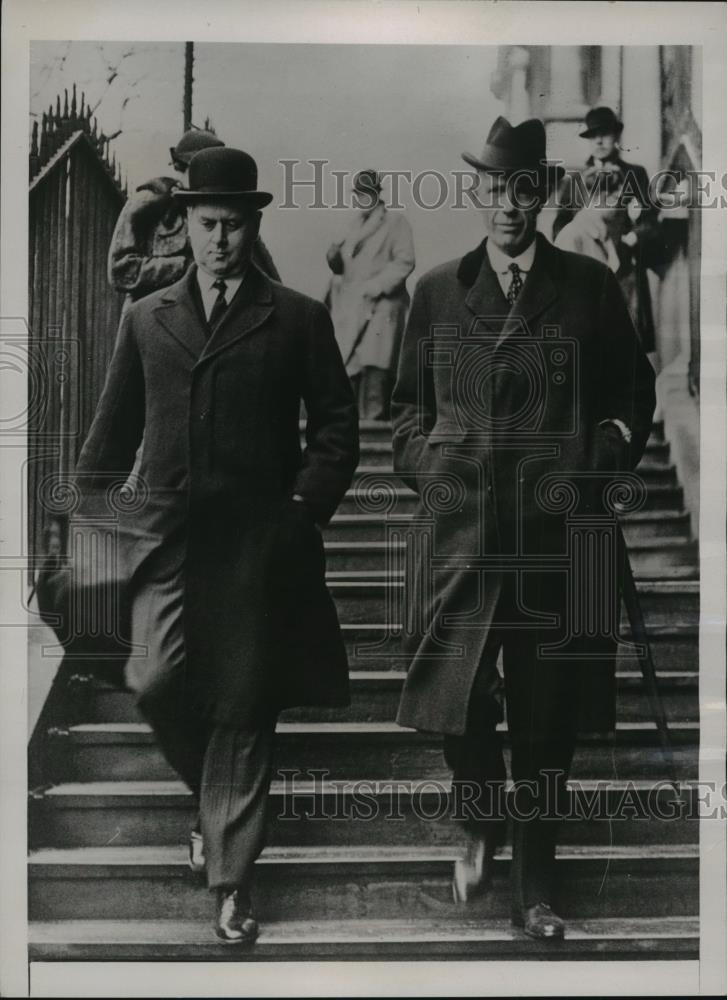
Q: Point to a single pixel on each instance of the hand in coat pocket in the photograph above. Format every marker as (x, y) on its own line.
(609, 450)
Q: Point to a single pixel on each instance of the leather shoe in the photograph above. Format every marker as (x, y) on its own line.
(473, 872)
(197, 860)
(540, 922)
(235, 923)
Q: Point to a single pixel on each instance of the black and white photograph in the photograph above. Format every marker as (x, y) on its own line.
(364, 499)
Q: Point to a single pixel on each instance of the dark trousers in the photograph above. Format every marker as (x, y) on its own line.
(541, 702)
(372, 388)
(228, 770)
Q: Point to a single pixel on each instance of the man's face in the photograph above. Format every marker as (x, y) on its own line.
(510, 211)
(222, 237)
(603, 144)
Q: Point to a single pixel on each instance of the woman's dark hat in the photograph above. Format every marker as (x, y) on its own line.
(515, 148)
(600, 121)
(192, 142)
(223, 173)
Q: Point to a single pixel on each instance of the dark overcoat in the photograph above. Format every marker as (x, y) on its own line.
(220, 461)
(496, 419)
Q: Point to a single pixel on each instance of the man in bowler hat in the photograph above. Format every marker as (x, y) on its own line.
(150, 248)
(225, 552)
(522, 390)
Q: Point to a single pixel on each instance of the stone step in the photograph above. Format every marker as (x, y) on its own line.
(650, 558)
(364, 598)
(319, 812)
(375, 698)
(376, 491)
(376, 647)
(375, 465)
(120, 751)
(650, 526)
(138, 883)
(381, 430)
(426, 937)
(654, 466)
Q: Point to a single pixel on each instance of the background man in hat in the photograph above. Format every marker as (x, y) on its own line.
(368, 296)
(149, 248)
(228, 585)
(521, 390)
(640, 244)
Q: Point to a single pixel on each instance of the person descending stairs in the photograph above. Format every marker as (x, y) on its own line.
(359, 863)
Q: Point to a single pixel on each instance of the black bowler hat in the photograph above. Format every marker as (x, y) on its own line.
(514, 148)
(600, 121)
(223, 173)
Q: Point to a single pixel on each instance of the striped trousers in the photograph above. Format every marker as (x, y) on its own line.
(228, 770)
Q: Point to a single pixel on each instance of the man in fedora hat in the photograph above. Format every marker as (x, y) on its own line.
(521, 391)
(225, 554)
(640, 244)
(149, 248)
(368, 295)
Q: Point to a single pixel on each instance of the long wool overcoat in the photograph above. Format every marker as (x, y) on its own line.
(496, 417)
(221, 459)
(369, 299)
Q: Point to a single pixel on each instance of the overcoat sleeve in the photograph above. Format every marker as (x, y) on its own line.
(627, 379)
(390, 279)
(331, 452)
(132, 267)
(264, 260)
(118, 425)
(651, 249)
(566, 202)
(413, 407)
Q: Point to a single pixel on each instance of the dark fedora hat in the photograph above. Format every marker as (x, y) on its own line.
(513, 148)
(194, 140)
(599, 121)
(223, 173)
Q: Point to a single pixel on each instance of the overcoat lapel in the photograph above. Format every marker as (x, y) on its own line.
(485, 299)
(538, 292)
(179, 316)
(487, 302)
(249, 309)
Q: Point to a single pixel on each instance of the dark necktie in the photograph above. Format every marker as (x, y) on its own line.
(220, 304)
(516, 283)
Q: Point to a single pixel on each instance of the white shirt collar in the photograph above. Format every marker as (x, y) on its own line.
(501, 262)
(209, 294)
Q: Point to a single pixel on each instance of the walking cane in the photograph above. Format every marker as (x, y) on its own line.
(640, 636)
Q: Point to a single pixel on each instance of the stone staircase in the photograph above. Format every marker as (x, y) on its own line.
(360, 851)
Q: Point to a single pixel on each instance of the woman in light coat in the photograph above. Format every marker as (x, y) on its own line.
(368, 295)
